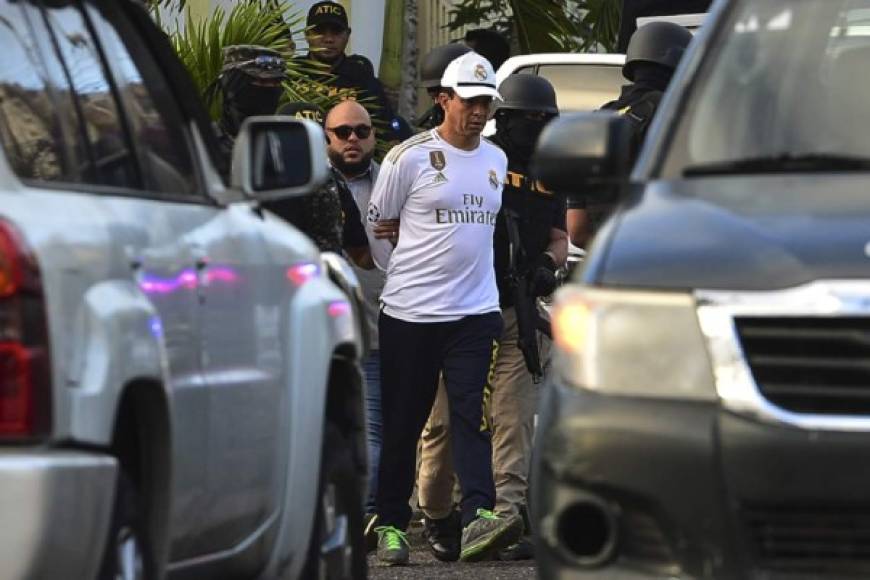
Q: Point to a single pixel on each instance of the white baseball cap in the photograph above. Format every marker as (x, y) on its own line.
(470, 76)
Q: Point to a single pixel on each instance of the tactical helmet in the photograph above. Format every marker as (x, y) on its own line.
(436, 60)
(255, 61)
(527, 93)
(660, 43)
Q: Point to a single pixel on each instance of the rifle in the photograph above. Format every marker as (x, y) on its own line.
(529, 321)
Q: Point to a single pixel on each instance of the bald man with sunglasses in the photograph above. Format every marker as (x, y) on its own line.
(350, 146)
(328, 215)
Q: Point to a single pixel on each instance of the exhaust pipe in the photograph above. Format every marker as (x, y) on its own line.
(584, 531)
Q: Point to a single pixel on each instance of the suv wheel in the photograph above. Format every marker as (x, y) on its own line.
(128, 554)
(337, 550)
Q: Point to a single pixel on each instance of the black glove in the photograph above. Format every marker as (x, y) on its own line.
(543, 280)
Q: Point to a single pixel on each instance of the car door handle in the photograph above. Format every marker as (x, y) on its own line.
(200, 257)
(133, 258)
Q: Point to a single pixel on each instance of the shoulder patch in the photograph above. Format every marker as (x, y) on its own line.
(400, 149)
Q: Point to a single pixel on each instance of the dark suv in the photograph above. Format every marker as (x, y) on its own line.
(708, 411)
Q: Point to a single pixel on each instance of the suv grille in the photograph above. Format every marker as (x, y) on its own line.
(810, 364)
(819, 539)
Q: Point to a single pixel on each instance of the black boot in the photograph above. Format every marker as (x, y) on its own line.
(524, 549)
(444, 536)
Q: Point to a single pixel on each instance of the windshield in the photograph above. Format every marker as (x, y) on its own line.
(787, 88)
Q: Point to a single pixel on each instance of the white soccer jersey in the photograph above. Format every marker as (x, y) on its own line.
(447, 200)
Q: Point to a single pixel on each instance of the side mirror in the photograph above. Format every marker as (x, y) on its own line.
(584, 152)
(276, 157)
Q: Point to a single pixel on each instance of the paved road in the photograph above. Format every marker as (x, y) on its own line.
(425, 567)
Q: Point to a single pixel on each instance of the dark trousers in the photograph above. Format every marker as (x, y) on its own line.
(372, 370)
(412, 355)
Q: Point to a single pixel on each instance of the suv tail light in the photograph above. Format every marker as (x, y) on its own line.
(25, 396)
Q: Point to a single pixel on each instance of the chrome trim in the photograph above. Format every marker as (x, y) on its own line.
(735, 385)
(56, 507)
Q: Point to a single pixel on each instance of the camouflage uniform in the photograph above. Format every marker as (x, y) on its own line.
(329, 215)
(250, 80)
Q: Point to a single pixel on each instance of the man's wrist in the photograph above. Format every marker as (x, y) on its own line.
(548, 260)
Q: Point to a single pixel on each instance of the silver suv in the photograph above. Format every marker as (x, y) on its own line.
(180, 391)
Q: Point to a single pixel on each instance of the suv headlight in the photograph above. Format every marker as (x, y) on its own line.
(633, 343)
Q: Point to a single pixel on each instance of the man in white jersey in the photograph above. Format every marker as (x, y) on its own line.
(440, 309)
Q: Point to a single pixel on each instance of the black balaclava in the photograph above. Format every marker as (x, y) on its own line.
(433, 117)
(518, 134)
(243, 99)
(652, 75)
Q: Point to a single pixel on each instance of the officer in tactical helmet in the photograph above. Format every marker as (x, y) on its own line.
(531, 243)
(653, 54)
(431, 70)
(327, 33)
(250, 81)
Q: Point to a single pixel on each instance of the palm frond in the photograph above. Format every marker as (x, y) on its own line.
(600, 24)
(270, 23)
(542, 25)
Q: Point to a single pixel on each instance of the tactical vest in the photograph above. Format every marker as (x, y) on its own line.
(639, 108)
(534, 208)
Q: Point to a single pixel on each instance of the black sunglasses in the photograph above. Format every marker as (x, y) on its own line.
(343, 131)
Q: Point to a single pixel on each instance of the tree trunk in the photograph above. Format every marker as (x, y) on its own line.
(390, 71)
(408, 96)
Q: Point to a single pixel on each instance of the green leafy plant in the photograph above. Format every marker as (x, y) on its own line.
(200, 43)
(544, 25)
(270, 23)
(533, 25)
(599, 24)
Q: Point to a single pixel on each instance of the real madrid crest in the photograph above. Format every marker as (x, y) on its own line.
(493, 179)
(480, 72)
(437, 159)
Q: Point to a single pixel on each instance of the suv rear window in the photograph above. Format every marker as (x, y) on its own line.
(65, 116)
(31, 127)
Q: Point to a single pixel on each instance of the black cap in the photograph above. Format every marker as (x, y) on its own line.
(436, 60)
(302, 110)
(327, 13)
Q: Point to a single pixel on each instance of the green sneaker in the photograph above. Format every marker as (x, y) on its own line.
(488, 534)
(392, 546)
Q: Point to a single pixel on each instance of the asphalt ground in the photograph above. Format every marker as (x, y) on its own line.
(424, 566)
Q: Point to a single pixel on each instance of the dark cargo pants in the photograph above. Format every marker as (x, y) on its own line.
(412, 355)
